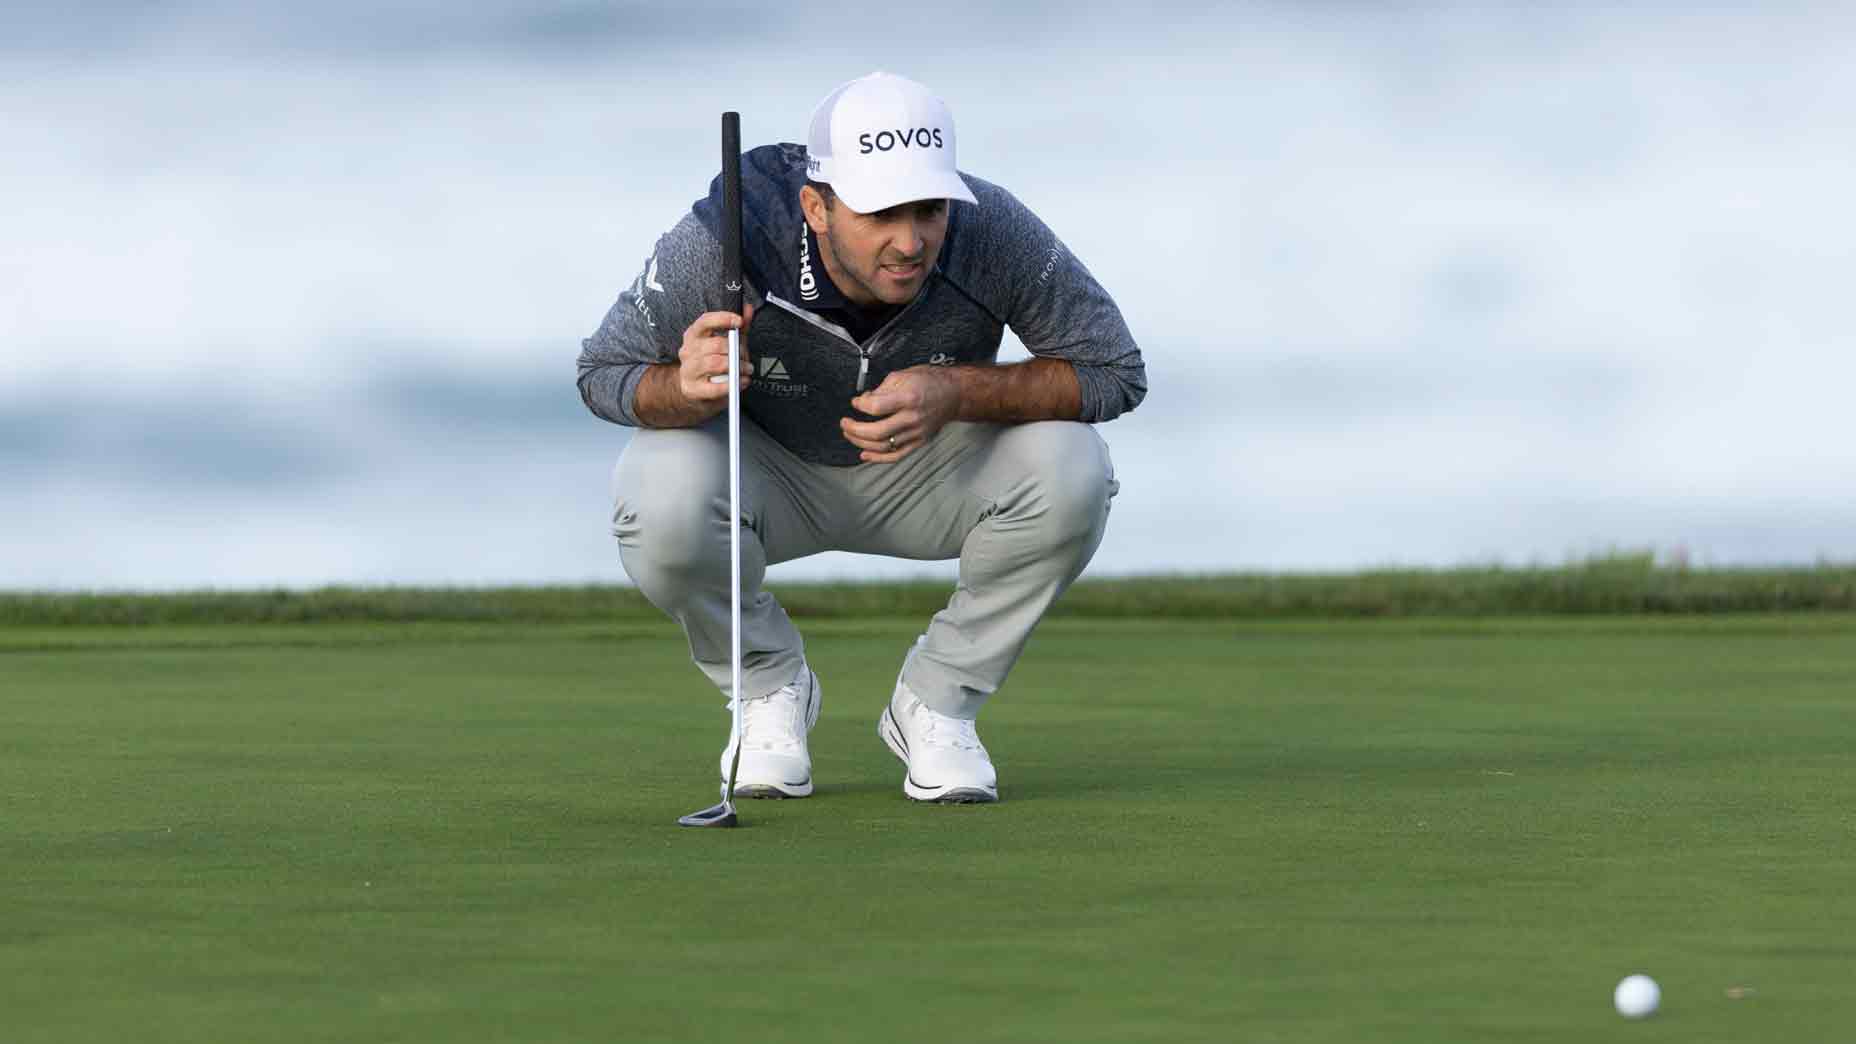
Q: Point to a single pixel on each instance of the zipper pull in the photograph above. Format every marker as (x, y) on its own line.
(863, 370)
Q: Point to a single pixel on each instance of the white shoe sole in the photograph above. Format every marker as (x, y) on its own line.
(951, 795)
(761, 788)
(773, 790)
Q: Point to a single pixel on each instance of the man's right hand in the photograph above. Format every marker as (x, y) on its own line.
(681, 394)
(702, 366)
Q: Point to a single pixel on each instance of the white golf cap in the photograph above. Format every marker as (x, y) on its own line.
(883, 140)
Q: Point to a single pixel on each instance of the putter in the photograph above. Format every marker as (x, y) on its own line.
(723, 815)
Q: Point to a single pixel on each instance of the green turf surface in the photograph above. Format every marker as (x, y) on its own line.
(1421, 830)
(1610, 584)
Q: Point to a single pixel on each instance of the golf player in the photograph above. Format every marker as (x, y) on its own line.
(876, 419)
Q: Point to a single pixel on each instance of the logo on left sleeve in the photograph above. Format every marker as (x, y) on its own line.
(1050, 264)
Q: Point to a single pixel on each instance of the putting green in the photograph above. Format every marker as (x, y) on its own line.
(1421, 830)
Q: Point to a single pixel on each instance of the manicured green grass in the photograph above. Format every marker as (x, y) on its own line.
(1622, 583)
(1417, 830)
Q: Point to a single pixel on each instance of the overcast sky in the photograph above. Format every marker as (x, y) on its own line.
(292, 294)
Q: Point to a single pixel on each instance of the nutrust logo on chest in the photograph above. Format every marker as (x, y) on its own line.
(771, 378)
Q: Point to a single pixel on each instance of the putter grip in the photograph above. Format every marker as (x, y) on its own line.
(731, 210)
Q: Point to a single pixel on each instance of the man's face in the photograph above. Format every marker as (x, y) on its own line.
(879, 258)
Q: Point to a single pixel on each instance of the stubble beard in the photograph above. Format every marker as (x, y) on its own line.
(864, 281)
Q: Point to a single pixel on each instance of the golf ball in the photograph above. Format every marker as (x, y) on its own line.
(1637, 996)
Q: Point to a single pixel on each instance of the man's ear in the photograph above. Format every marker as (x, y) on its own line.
(812, 204)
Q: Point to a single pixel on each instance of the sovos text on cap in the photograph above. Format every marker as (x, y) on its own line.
(881, 140)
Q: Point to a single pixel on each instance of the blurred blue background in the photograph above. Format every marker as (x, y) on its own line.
(292, 294)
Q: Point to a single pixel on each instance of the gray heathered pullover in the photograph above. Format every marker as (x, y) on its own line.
(1000, 266)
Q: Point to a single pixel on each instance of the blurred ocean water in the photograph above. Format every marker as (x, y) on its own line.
(294, 296)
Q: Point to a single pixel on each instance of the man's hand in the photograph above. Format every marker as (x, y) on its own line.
(911, 406)
(681, 394)
(704, 356)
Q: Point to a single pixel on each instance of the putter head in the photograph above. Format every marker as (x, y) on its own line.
(722, 815)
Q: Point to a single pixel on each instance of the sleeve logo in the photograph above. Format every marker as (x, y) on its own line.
(647, 281)
(1050, 266)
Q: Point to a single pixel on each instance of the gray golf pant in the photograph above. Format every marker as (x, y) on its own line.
(1022, 506)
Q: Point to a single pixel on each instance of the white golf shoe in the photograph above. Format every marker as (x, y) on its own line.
(945, 759)
(774, 762)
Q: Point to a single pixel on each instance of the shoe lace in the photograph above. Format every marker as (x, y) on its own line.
(767, 721)
(943, 731)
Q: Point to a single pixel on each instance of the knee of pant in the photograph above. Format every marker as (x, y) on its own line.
(684, 535)
(668, 501)
(1070, 470)
(1078, 502)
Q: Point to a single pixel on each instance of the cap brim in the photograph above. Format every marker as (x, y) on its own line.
(925, 185)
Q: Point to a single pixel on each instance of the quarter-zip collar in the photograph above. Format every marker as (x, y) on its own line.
(867, 347)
